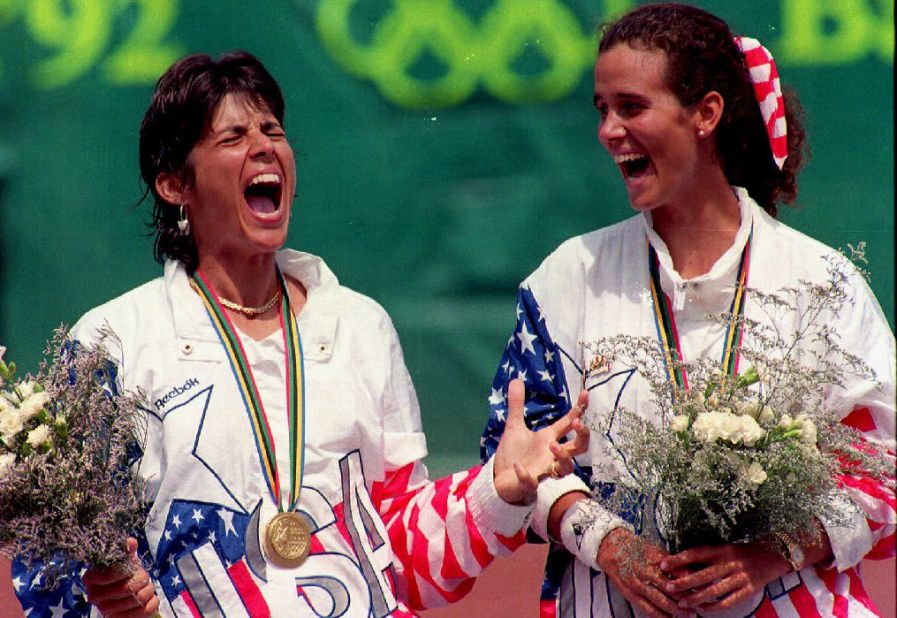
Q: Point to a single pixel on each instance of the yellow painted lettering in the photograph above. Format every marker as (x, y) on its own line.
(884, 38)
(144, 54)
(827, 32)
(78, 30)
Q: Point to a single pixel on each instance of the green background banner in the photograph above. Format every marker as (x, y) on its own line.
(444, 148)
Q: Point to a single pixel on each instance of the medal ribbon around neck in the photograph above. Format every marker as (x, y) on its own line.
(295, 388)
(665, 322)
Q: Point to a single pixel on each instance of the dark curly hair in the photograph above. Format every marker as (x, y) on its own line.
(184, 103)
(702, 56)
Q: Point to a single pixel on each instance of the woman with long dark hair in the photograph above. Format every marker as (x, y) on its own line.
(708, 147)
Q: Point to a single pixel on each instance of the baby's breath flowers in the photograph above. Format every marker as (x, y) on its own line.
(67, 436)
(743, 457)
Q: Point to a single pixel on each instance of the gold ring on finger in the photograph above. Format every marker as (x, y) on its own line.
(553, 470)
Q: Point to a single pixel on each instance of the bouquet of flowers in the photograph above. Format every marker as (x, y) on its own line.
(742, 457)
(67, 437)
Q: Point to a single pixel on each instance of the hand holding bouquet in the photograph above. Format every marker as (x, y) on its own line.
(728, 457)
(68, 496)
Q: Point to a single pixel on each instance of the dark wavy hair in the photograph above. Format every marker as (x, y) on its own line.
(184, 103)
(702, 56)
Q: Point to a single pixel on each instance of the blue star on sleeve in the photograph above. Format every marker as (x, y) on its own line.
(66, 598)
(532, 356)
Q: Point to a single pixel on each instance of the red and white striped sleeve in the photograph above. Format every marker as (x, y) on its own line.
(875, 497)
(445, 532)
(868, 407)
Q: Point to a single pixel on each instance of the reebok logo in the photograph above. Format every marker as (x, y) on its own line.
(174, 392)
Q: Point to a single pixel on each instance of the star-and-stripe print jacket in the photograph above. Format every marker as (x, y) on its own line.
(386, 540)
(597, 286)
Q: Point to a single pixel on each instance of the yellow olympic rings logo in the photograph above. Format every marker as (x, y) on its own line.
(473, 54)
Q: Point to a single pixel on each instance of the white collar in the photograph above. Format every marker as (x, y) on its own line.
(321, 307)
(716, 285)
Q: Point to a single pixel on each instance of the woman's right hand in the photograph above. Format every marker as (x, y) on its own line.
(121, 594)
(633, 566)
(524, 457)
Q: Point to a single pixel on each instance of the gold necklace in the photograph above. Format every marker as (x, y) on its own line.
(249, 312)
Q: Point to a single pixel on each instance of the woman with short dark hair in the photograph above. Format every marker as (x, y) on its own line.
(283, 458)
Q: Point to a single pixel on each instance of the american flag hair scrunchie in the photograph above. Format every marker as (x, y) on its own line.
(768, 92)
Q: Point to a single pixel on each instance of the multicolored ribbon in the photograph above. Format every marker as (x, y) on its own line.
(665, 321)
(295, 388)
(768, 93)
(734, 330)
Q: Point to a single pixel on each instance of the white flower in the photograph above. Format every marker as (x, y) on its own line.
(708, 426)
(2, 352)
(766, 415)
(38, 435)
(33, 405)
(754, 474)
(25, 388)
(7, 399)
(679, 423)
(6, 462)
(748, 408)
(750, 432)
(786, 421)
(735, 429)
(11, 423)
(807, 430)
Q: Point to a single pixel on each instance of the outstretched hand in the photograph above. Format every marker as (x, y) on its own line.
(525, 457)
(121, 593)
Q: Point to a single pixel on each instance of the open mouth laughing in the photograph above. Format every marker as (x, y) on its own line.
(263, 193)
(632, 165)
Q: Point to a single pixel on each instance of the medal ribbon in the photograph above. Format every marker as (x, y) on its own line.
(295, 391)
(665, 322)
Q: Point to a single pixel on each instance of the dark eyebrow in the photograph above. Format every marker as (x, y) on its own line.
(623, 96)
(234, 128)
(631, 96)
(242, 129)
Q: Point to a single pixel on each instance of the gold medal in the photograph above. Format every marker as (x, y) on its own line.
(287, 537)
(287, 540)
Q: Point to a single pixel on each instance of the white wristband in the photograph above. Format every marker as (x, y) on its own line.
(549, 491)
(584, 526)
